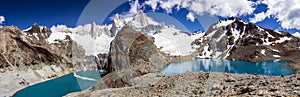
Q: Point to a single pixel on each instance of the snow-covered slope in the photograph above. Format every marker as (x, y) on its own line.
(175, 42)
(93, 38)
(172, 41)
(96, 39)
(226, 38)
(167, 37)
(297, 34)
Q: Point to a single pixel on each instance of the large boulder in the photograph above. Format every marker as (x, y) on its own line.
(132, 54)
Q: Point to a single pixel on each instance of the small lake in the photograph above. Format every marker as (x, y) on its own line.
(61, 86)
(268, 67)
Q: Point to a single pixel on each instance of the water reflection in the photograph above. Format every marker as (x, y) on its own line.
(268, 67)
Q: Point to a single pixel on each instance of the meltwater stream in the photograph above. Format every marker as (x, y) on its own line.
(61, 86)
(268, 67)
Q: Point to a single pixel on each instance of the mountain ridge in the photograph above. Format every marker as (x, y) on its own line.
(223, 38)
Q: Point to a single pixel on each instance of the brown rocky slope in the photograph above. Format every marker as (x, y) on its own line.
(27, 58)
(235, 39)
(20, 49)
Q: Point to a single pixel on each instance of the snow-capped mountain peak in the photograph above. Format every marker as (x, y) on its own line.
(225, 36)
(240, 30)
(93, 38)
(97, 38)
(117, 21)
(141, 22)
(37, 34)
(117, 24)
(226, 22)
(140, 19)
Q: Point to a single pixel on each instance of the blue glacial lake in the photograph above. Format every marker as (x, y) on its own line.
(268, 67)
(82, 80)
(61, 86)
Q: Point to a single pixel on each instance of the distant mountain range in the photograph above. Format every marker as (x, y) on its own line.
(237, 40)
(227, 39)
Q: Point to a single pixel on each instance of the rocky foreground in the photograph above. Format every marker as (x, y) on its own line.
(203, 84)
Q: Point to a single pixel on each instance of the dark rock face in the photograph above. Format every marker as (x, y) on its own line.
(19, 50)
(132, 54)
(38, 35)
(131, 46)
(246, 41)
(101, 60)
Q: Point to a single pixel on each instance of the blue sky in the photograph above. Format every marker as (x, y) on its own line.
(23, 13)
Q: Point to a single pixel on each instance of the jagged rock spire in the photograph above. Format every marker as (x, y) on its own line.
(116, 24)
(38, 34)
(141, 18)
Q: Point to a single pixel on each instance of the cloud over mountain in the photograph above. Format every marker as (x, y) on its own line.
(223, 8)
(285, 11)
(2, 19)
(190, 16)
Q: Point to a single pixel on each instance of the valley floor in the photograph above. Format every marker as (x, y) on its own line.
(203, 84)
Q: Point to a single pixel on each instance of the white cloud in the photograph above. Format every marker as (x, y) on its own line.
(190, 16)
(134, 8)
(285, 11)
(152, 3)
(258, 17)
(223, 8)
(2, 19)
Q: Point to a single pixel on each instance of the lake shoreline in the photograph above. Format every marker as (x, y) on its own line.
(203, 84)
(16, 80)
(294, 67)
(165, 65)
(68, 83)
(252, 84)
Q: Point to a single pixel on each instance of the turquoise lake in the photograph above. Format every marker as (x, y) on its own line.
(78, 81)
(268, 67)
(61, 86)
